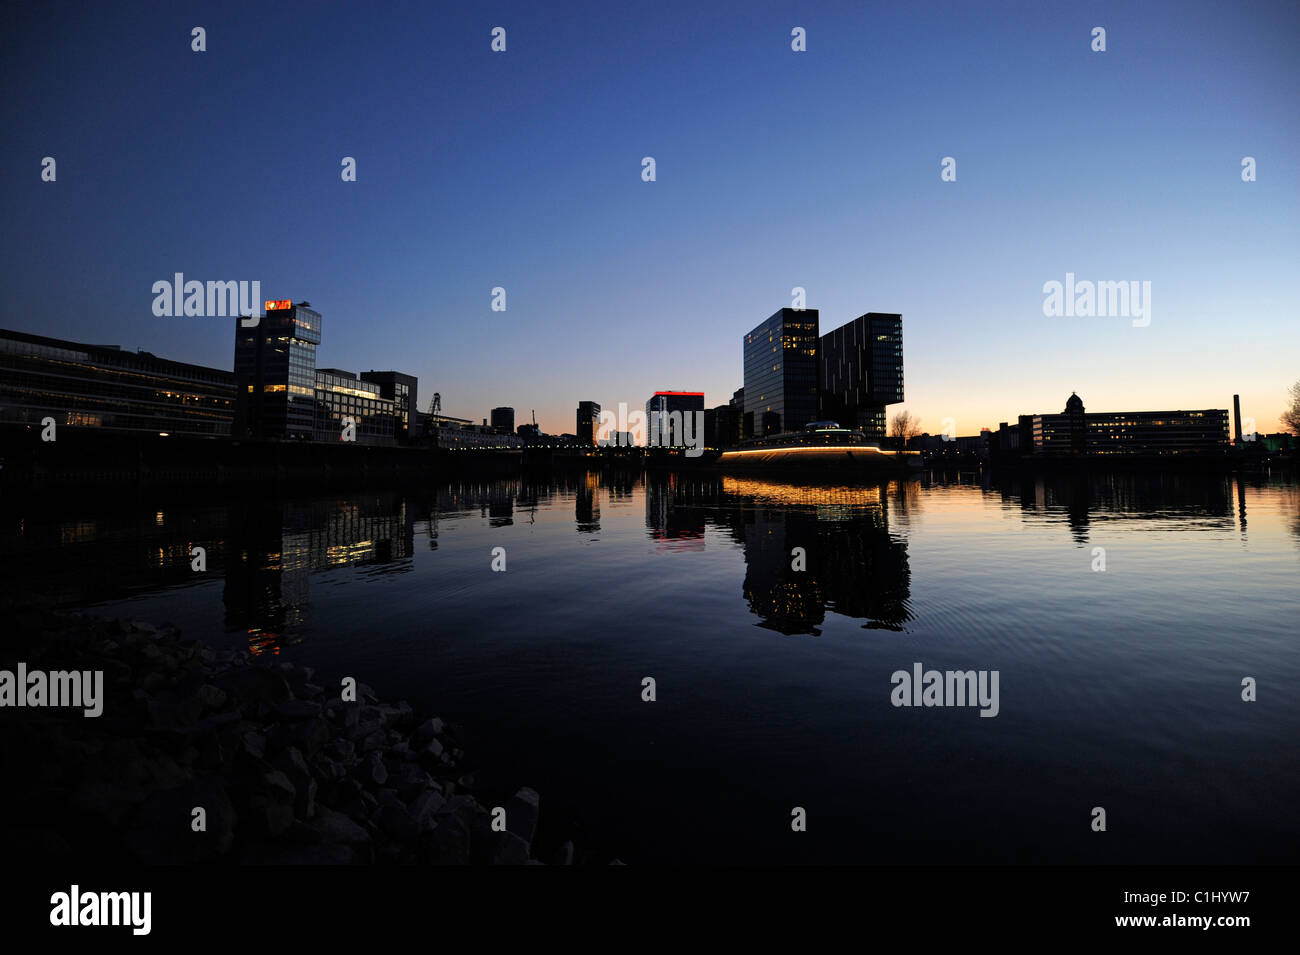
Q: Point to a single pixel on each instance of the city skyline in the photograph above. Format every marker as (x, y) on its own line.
(458, 194)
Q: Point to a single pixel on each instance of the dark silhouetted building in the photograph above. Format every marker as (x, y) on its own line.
(781, 373)
(588, 422)
(668, 410)
(1075, 432)
(722, 426)
(275, 373)
(503, 420)
(101, 386)
(861, 369)
(402, 390)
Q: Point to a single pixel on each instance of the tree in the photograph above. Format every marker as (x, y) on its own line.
(905, 426)
(1291, 414)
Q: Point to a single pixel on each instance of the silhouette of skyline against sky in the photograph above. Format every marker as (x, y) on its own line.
(774, 169)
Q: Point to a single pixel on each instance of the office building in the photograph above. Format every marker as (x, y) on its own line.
(341, 395)
(104, 387)
(781, 373)
(503, 420)
(402, 390)
(721, 427)
(667, 411)
(275, 373)
(588, 422)
(861, 372)
(1075, 432)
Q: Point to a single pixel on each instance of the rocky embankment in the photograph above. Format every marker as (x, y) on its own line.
(285, 771)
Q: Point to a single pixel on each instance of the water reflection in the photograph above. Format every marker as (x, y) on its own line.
(808, 548)
(854, 539)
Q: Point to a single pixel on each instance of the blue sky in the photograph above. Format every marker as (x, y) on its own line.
(775, 169)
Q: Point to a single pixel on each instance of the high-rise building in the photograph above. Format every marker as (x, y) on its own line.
(781, 373)
(102, 386)
(503, 420)
(861, 367)
(588, 422)
(667, 410)
(275, 373)
(721, 426)
(402, 391)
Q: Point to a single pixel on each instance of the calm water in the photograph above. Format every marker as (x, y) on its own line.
(1118, 688)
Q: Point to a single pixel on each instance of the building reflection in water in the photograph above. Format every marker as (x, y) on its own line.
(274, 547)
(854, 538)
(853, 566)
(1129, 495)
(675, 509)
(586, 503)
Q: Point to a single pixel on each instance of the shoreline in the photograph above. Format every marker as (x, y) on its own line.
(285, 771)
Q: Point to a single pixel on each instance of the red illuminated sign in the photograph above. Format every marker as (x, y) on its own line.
(281, 303)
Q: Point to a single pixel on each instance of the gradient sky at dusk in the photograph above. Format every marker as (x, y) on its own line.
(775, 169)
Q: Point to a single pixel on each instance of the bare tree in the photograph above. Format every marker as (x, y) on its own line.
(905, 426)
(1291, 414)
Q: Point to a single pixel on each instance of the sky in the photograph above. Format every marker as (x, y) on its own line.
(774, 169)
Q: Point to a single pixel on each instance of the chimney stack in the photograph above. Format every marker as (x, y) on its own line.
(1236, 416)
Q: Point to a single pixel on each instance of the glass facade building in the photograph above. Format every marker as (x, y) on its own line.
(781, 373)
(275, 374)
(341, 395)
(659, 413)
(101, 386)
(861, 366)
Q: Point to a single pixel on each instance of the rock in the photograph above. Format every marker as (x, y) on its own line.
(161, 829)
(410, 780)
(371, 772)
(429, 729)
(563, 855)
(253, 744)
(294, 710)
(310, 735)
(424, 807)
(211, 697)
(397, 822)
(522, 811)
(340, 749)
(279, 785)
(336, 827)
(446, 844)
(510, 850)
(254, 684)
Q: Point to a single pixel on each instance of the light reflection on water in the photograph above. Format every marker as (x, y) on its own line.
(1119, 688)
